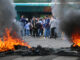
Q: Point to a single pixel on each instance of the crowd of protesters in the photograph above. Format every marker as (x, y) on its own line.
(39, 26)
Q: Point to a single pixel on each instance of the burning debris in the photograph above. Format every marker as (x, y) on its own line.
(16, 46)
(25, 51)
(8, 42)
(40, 51)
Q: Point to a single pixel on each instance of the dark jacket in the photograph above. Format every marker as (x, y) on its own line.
(34, 23)
(23, 20)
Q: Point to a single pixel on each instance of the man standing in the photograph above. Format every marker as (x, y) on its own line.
(27, 27)
(34, 29)
(53, 24)
(47, 27)
(40, 27)
(23, 22)
(37, 27)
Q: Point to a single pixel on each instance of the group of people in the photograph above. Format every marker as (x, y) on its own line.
(39, 26)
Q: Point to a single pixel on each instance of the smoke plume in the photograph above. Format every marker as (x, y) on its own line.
(71, 23)
(7, 15)
(69, 16)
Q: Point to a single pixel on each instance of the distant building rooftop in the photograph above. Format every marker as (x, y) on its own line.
(32, 4)
(32, 1)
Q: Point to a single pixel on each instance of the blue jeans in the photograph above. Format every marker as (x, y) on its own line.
(22, 30)
(47, 32)
(27, 32)
(40, 31)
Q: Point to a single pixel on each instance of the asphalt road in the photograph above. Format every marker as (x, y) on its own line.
(52, 57)
(52, 43)
(48, 58)
(47, 42)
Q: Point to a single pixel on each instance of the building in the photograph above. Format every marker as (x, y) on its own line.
(32, 1)
(30, 8)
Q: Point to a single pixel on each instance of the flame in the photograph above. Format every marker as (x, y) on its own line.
(8, 42)
(76, 39)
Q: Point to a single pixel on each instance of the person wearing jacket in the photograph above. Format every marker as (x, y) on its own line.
(47, 27)
(34, 29)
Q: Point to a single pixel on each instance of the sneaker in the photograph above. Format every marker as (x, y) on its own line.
(44, 37)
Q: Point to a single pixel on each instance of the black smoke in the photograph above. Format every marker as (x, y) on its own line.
(69, 16)
(70, 24)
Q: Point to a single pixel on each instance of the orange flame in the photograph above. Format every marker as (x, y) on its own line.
(76, 39)
(8, 42)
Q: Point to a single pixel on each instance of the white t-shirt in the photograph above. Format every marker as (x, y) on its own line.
(53, 23)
